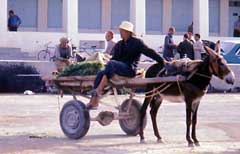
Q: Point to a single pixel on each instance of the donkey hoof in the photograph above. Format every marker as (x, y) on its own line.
(197, 144)
(142, 141)
(190, 145)
(160, 141)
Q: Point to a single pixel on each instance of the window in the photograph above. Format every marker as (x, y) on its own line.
(214, 16)
(54, 13)
(120, 11)
(89, 14)
(182, 14)
(234, 3)
(26, 10)
(154, 11)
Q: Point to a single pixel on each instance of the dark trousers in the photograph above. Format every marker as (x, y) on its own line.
(114, 67)
(12, 29)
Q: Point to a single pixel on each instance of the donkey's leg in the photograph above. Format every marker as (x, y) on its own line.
(155, 104)
(188, 122)
(142, 116)
(194, 122)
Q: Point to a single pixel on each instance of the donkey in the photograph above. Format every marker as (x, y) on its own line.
(190, 91)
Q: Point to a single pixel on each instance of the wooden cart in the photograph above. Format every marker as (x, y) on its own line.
(75, 118)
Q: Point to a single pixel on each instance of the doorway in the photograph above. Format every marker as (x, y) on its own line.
(234, 12)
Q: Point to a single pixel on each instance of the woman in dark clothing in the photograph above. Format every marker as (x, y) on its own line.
(124, 62)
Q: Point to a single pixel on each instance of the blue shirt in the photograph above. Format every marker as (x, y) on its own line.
(14, 21)
(168, 47)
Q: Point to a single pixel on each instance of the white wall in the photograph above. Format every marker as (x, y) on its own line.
(34, 41)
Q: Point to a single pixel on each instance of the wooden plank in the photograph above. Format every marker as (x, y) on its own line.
(74, 78)
(141, 82)
(76, 84)
(130, 82)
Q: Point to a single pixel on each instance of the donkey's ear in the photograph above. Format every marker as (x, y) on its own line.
(217, 47)
(208, 50)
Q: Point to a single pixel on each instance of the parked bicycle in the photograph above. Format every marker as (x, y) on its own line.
(47, 54)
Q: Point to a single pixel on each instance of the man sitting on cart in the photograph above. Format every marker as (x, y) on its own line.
(124, 62)
(63, 53)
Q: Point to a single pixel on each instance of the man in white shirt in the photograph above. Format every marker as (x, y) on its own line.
(107, 54)
(110, 43)
(198, 47)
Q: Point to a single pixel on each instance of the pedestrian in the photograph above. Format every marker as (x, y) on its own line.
(110, 42)
(186, 48)
(198, 47)
(190, 28)
(126, 55)
(13, 21)
(63, 54)
(190, 37)
(236, 32)
(104, 57)
(169, 45)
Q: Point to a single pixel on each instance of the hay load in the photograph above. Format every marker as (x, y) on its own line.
(82, 69)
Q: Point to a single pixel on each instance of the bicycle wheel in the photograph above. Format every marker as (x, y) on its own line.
(43, 55)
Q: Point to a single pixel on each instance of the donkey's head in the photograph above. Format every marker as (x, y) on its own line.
(218, 65)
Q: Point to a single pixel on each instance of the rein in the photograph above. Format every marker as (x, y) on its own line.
(203, 75)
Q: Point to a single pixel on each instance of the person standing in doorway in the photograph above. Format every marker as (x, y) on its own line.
(190, 28)
(13, 21)
(169, 45)
(236, 32)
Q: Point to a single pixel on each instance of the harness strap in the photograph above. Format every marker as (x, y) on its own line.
(203, 75)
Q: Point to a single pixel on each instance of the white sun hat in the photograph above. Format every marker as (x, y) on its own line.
(128, 26)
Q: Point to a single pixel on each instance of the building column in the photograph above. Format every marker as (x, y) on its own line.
(3, 16)
(167, 15)
(201, 17)
(70, 17)
(42, 15)
(106, 15)
(138, 16)
(224, 17)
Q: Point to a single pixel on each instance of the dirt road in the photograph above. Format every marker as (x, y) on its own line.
(30, 125)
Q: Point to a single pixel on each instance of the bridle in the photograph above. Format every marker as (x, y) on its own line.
(213, 65)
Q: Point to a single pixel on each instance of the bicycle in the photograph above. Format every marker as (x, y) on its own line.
(45, 54)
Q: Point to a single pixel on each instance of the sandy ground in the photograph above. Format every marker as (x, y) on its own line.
(30, 125)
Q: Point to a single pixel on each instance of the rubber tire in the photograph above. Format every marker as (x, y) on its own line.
(43, 55)
(123, 122)
(82, 124)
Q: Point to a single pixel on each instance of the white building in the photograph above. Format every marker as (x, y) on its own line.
(81, 20)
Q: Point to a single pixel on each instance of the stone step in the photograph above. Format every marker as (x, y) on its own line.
(15, 54)
(17, 58)
(9, 50)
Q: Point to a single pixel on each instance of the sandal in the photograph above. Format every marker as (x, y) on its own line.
(90, 106)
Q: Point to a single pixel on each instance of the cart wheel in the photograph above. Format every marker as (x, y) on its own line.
(131, 125)
(74, 119)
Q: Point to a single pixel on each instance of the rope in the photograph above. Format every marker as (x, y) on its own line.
(153, 92)
(203, 75)
(179, 88)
